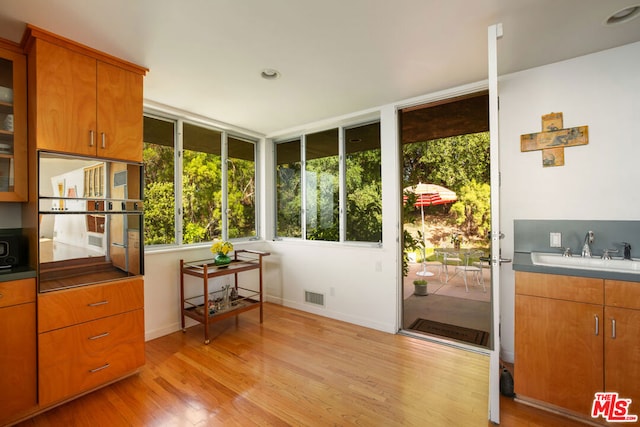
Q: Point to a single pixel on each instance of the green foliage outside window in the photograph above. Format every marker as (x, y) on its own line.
(364, 201)
(363, 184)
(159, 194)
(201, 195)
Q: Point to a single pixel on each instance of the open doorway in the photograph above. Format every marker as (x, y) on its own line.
(446, 219)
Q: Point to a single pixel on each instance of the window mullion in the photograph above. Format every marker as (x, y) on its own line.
(303, 185)
(225, 202)
(178, 168)
(342, 187)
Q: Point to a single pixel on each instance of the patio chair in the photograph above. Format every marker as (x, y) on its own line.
(469, 267)
(447, 257)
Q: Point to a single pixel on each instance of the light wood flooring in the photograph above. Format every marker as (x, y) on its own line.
(296, 369)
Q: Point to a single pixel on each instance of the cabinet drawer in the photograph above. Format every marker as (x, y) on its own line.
(569, 288)
(17, 292)
(622, 294)
(82, 357)
(71, 306)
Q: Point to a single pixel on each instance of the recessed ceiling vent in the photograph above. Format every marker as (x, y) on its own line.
(314, 298)
(270, 74)
(623, 15)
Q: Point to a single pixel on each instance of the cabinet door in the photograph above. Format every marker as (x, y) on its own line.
(120, 118)
(558, 351)
(622, 354)
(17, 360)
(13, 126)
(64, 98)
(85, 356)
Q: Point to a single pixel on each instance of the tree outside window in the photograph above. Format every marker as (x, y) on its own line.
(200, 194)
(159, 181)
(342, 197)
(289, 189)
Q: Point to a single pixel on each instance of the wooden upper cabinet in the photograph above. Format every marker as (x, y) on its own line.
(82, 101)
(63, 99)
(120, 119)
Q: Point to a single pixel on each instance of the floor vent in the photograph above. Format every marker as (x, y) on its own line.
(314, 298)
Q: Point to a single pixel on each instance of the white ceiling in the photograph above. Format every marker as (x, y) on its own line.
(336, 56)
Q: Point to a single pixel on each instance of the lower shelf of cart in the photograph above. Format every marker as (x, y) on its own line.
(241, 305)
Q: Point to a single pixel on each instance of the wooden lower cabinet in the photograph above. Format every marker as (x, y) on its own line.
(88, 337)
(622, 341)
(17, 348)
(574, 337)
(82, 357)
(559, 352)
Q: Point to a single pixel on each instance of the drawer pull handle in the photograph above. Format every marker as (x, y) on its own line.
(96, 304)
(597, 324)
(613, 329)
(104, 142)
(100, 368)
(99, 336)
(91, 138)
(1, 296)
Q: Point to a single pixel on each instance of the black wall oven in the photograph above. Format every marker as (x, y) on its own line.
(91, 220)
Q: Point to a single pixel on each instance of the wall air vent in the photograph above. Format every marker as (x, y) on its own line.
(314, 298)
(95, 241)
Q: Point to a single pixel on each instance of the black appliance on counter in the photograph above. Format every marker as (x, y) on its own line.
(91, 220)
(13, 249)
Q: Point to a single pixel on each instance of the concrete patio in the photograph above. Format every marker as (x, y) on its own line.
(448, 301)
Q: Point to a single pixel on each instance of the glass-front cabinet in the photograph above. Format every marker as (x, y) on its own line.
(13, 123)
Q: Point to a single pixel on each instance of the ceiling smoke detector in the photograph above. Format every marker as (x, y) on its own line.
(623, 15)
(270, 74)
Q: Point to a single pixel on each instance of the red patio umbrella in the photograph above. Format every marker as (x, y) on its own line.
(429, 195)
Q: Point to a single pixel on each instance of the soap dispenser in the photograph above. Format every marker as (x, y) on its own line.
(627, 250)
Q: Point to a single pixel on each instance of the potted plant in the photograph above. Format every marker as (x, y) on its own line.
(420, 287)
(221, 248)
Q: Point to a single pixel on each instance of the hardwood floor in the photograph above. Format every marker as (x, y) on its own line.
(295, 369)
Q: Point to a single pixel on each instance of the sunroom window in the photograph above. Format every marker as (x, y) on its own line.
(214, 195)
(336, 195)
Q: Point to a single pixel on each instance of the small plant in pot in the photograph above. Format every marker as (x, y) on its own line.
(420, 287)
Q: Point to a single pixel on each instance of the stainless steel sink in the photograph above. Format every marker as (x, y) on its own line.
(580, 263)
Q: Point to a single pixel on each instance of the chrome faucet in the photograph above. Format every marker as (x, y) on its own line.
(586, 248)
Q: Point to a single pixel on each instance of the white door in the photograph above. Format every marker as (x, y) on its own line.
(494, 33)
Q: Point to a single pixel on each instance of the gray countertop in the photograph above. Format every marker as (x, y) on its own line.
(17, 273)
(522, 262)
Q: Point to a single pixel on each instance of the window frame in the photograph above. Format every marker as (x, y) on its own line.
(178, 156)
(342, 184)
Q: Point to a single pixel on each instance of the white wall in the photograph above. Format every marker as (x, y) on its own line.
(599, 180)
(361, 284)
